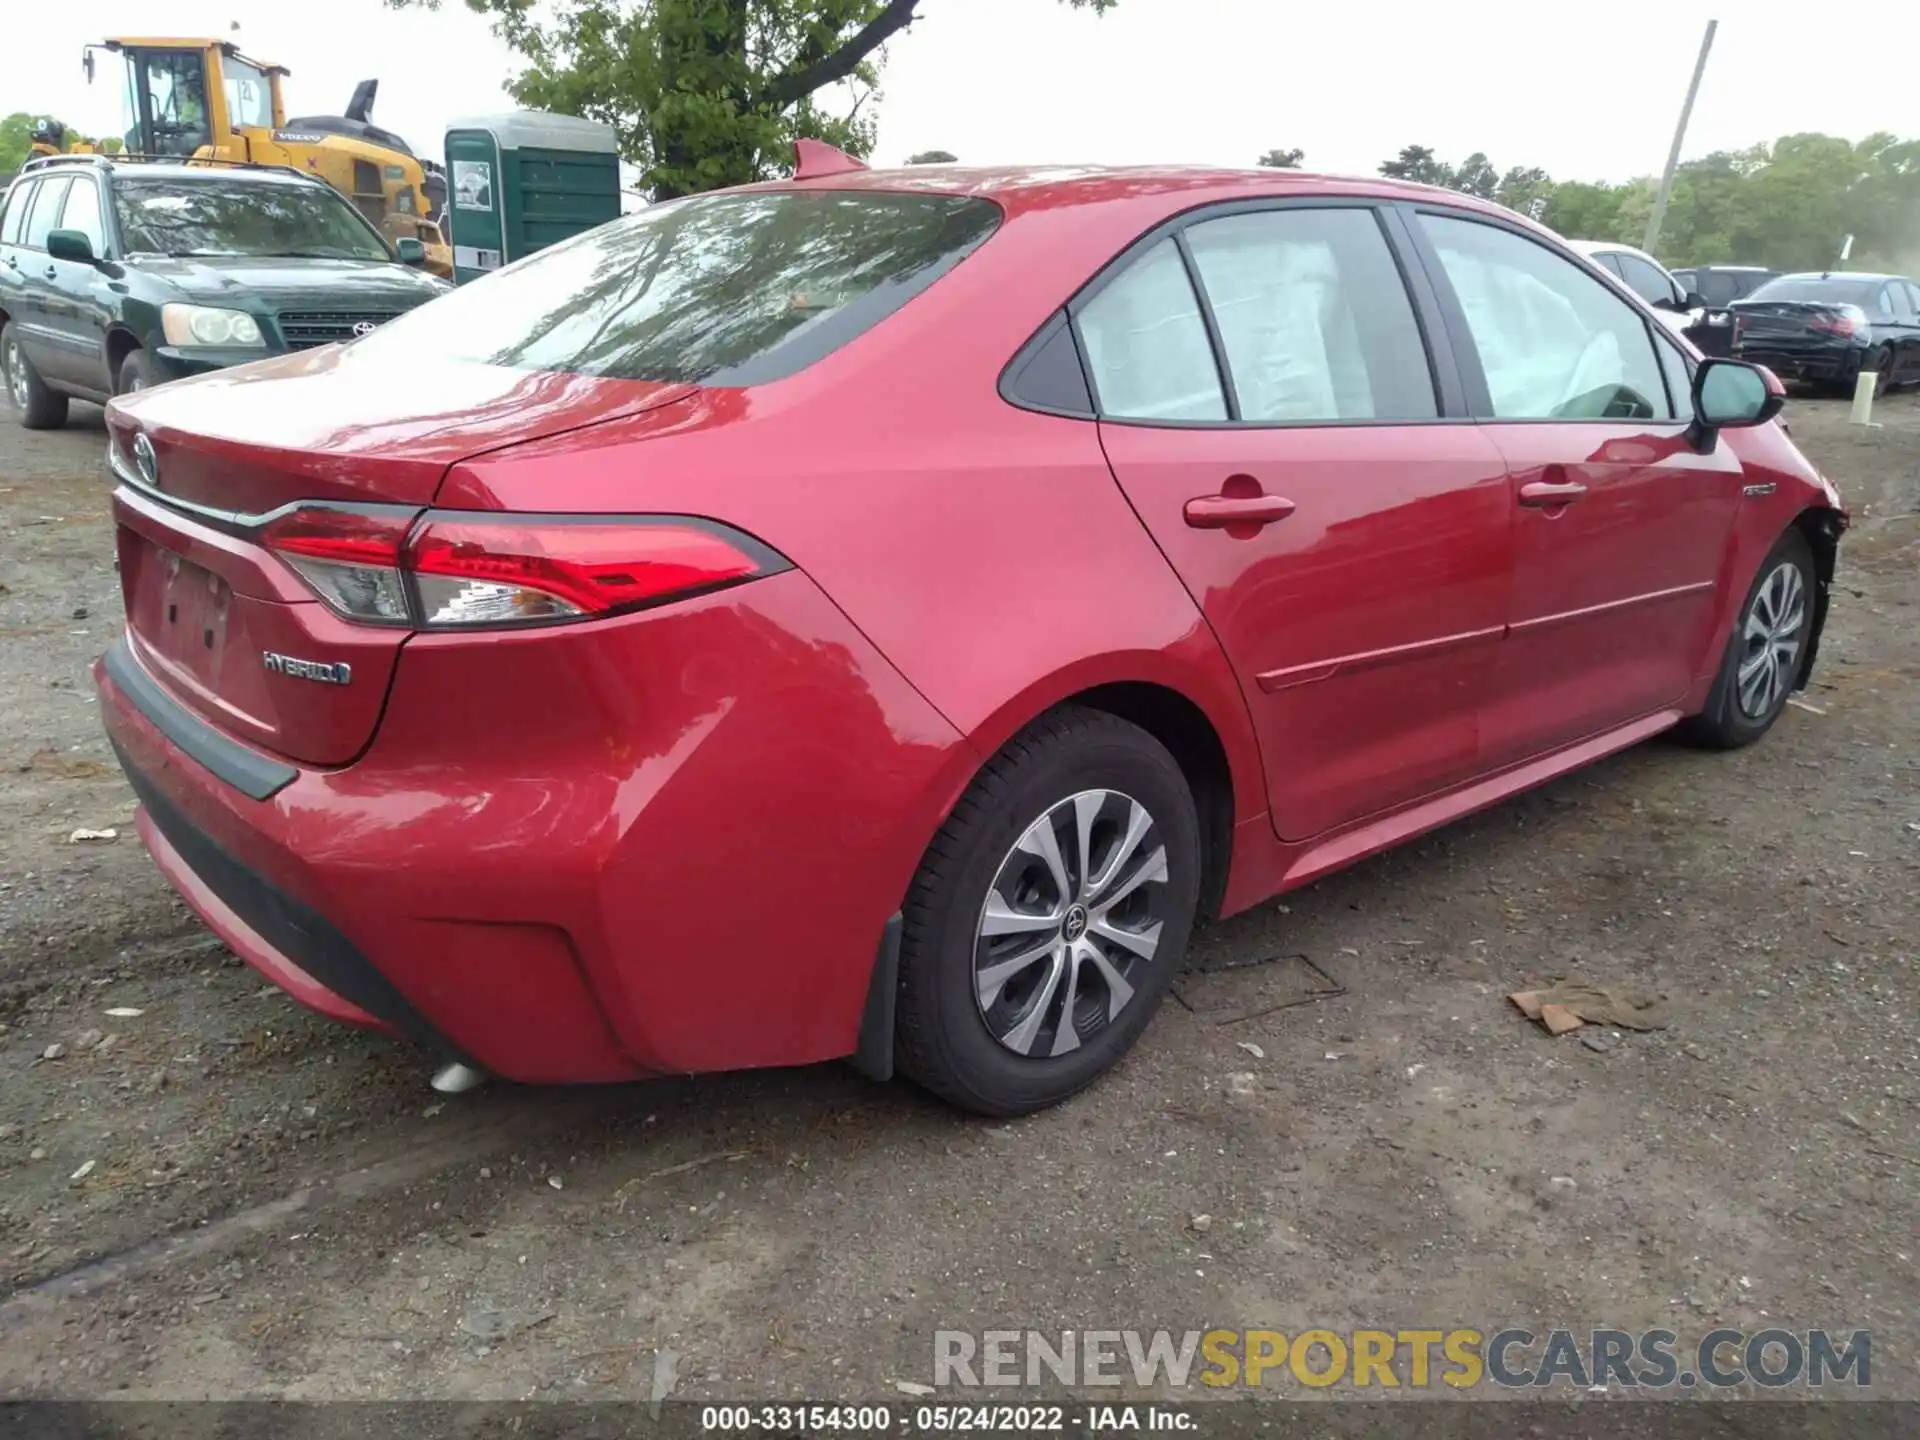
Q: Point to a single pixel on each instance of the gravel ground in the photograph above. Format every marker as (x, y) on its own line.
(222, 1195)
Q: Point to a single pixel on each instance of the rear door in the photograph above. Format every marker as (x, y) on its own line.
(1269, 406)
(13, 224)
(1621, 525)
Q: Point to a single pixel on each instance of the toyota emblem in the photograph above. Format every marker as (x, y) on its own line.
(146, 462)
(364, 327)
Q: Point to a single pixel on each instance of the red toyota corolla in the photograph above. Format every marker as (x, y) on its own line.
(873, 615)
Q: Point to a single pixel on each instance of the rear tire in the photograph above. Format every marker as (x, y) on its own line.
(139, 371)
(1882, 366)
(1761, 665)
(1049, 915)
(38, 407)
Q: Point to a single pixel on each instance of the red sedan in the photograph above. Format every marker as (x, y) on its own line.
(873, 615)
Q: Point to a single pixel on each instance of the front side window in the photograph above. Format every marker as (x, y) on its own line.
(82, 213)
(224, 215)
(1645, 281)
(720, 289)
(1146, 344)
(174, 87)
(1554, 342)
(1313, 317)
(249, 100)
(45, 215)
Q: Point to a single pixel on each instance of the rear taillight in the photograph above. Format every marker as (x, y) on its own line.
(349, 558)
(1831, 324)
(460, 570)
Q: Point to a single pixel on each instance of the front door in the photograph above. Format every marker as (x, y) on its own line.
(34, 300)
(1268, 407)
(78, 297)
(1621, 526)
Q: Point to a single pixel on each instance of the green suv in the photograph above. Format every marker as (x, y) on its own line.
(117, 274)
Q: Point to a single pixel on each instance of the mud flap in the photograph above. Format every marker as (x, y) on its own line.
(873, 1057)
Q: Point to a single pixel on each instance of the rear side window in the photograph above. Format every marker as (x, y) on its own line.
(1313, 317)
(1553, 341)
(720, 289)
(1146, 344)
(1818, 290)
(13, 220)
(1645, 281)
(46, 212)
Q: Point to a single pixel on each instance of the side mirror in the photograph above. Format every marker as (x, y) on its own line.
(70, 245)
(410, 251)
(1694, 301)
(1734, 394)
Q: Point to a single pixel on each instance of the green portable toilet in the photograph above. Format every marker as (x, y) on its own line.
(520, 181)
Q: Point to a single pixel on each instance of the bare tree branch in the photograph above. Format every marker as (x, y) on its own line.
(812, 73)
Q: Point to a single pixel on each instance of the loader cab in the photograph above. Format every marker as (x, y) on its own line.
(182, 97)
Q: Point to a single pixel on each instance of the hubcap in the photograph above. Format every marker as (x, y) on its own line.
(1071, 922)
(1770, 641)
(16, 375)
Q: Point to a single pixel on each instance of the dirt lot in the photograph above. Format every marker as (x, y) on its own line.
(221, 1194)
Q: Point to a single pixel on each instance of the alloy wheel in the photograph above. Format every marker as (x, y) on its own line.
(1073, 917)
(1770, 635)
(16, 375)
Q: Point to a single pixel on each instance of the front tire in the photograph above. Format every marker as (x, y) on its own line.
(1761, 665)
(38, 407)
(1049, 915)
(139, 371)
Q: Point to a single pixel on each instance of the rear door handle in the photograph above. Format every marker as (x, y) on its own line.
(1544, 493)
(1218, 512)
(52, 274)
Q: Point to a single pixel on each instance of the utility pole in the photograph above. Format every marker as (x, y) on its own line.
(1679, 138)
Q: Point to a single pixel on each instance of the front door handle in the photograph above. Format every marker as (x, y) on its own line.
(1223, 512)
(1543, 493)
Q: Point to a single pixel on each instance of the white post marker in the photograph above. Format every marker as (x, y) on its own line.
(1863, 399)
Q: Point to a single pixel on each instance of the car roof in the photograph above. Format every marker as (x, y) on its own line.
(1866, 275)
(1612, 247)
(1037, 187)
(126, 169)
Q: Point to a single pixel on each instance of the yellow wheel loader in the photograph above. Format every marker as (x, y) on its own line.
(204, 100)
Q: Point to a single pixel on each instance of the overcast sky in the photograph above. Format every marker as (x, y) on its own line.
(1589, 91)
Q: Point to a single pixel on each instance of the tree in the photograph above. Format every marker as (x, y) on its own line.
(1417, 163)
(705, 93)
(933, 157)
(1475, 175)
(1525, 190)
(1282, 159)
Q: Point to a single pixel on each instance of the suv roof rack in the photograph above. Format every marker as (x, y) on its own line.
(101, 160)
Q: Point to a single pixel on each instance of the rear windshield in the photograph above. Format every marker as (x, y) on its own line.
(225, 217)
(1814, 289)
(722, 289)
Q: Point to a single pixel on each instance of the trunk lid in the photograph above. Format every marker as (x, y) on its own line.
(1789, 319)
(213, 614)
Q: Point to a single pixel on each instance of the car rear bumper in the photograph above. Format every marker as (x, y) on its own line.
(560, 872)
(1839, 366)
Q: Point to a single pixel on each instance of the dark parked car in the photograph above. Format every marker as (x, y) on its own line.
(116, 275)
(1826, 329)
(873, 614)
(1719, 286)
